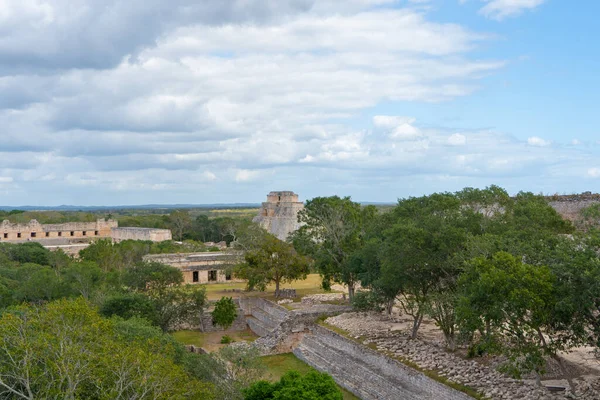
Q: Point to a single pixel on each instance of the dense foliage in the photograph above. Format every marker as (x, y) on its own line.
(496, 273)
(293, 386)
(66, 350)
(225, 313)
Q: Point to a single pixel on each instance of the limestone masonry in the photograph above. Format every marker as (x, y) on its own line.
(570, 206)
(279, 214)
(209, 267)
(70, 233)
(154, 235)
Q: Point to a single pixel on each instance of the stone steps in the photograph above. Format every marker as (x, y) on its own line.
(258, 327)
(373, 383)
(367, 374)
(267, 319)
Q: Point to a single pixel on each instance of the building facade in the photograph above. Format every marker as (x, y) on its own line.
(279, 214)
(197, 268)
(70, 233)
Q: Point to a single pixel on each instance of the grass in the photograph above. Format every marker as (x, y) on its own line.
(211, 341)
(279, 364)
(431, 374)
(311, 285)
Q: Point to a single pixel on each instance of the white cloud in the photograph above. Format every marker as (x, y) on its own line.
(457, 139)
(538, 142)
(594, 172)
(270, 92)
(500, 9)
(245, 175)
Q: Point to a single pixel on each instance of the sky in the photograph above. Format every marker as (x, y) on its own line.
(116, 102)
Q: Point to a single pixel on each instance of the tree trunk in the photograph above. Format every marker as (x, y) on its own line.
(277, 288)
(564, 372)
(350, 291)
(450, 341)
(389, 306)
(416, 324)
(559, 360)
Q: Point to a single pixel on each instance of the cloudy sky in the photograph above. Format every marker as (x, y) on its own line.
(106, 102)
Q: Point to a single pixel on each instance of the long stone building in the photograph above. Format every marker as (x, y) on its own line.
(211, 267)
(279, 214)
(76, 232)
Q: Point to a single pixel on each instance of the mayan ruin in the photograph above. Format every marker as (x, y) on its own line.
(279, 214)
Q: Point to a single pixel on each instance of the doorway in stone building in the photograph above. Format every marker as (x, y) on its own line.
(212, 276)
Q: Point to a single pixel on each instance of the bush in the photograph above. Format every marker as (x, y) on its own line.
(226, 339)
(366, 301)
(225, 312)
(293, 386)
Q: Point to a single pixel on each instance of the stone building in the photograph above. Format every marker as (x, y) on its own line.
(279, 214)
(151, 234)
(211, 267)
(71, 233)
(56, 233)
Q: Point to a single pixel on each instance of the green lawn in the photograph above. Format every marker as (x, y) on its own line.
(311, 285)
(279, 364)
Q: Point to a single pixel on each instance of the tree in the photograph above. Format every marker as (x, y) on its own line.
(231, 370)
(83, 277)
(173, 303)
(293, 386)
(225, 313)
(180, 221)
(333, 229)
(272, 260)
(148, 276)
(419, 260)
(104, 253)
(504, 295)
(130, 305)
(66, 350)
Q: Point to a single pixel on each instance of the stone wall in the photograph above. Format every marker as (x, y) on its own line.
(570, 206)
(367, 373)
(279, 213)
(207, 326)
(151, 234)
(262, 316)
(70, 231)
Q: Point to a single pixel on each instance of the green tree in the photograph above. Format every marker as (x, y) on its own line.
(180, 221)
(130, 305)
(333, 230)
(231, 370)
(293, 386)
(83, 277)
(66, 350)
(104, 253)
(155, 276)
(272, 260)
(225, 313)
(419, 261)
(503, 295)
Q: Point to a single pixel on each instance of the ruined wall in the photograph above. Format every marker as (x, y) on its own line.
(199, 268)
(570, 206)
(151, 234)
(34, 231)
(279, 213)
